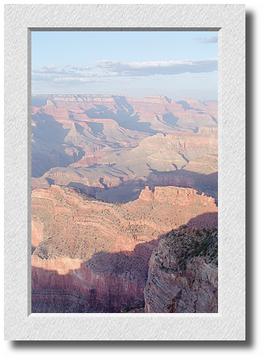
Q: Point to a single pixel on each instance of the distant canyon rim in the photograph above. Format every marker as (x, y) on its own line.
(124, 204)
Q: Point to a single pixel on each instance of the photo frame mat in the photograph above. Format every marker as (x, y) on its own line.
(229, 323)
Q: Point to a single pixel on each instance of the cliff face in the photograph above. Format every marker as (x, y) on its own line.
(122, 138)
(106, 283)
(90, 256)
(183, 274)
(110, 176)
(67, 224)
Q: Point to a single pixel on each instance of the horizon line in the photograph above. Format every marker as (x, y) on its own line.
(126, 96)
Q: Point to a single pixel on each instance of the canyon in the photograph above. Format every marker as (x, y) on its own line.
(183, 274)
(119, 187)
(100, 143)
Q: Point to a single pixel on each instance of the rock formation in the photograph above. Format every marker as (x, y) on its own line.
(183, 275)
(134, 135)
(92, 256)
(111, 178)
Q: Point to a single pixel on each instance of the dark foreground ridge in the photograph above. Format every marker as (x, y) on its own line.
(175, 273)
(183, 275)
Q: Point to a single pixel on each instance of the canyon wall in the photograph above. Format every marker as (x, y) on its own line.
(112, 176)
(183, 274)
(78, 269)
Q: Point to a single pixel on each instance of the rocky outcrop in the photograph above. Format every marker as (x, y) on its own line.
(91, 256)
(108, 282)
(111, 176)
(189, 153)
(75, 226)
(82, 131)
(183, 274)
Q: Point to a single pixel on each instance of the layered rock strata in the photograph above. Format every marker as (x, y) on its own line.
(183, 273)
(91, 256)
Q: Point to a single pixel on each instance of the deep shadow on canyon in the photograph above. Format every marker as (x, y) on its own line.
(131, 189)
(107, 282)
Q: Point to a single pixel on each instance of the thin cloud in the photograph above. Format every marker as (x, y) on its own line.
(66, 70)
(208, 39)
(77, 74)
(105, 70)
(148, 68)
(77, 80)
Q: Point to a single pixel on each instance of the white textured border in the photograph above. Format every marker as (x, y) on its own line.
(229, 323)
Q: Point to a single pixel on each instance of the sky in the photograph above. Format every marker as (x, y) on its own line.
(177, 64)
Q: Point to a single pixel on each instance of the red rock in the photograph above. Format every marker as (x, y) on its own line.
(183, 275)
(98, 253)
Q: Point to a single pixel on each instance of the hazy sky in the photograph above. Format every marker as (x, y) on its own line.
(178, 64)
